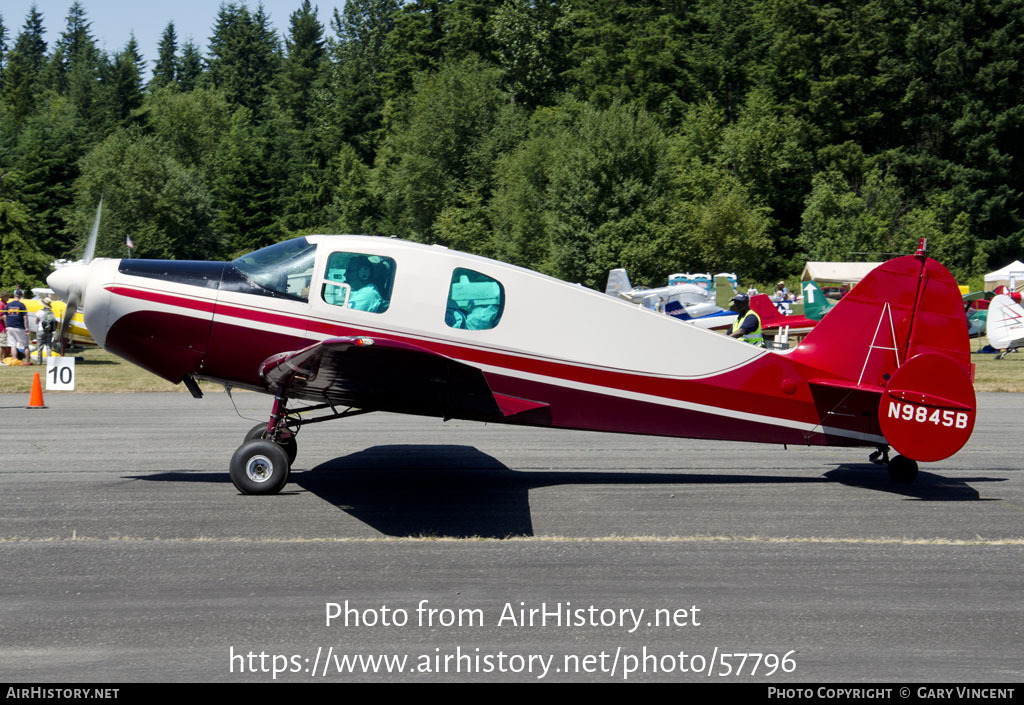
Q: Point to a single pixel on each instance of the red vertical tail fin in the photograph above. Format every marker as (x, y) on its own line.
(902, 332)
(904, 307)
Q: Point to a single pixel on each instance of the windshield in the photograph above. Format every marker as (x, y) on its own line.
(282, 269)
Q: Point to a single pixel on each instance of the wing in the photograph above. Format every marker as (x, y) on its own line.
(389, 375)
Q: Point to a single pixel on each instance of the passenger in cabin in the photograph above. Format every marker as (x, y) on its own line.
(475, 301)
(482, 317)
(364, 295)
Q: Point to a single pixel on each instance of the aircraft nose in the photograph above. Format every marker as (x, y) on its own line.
(72, 278)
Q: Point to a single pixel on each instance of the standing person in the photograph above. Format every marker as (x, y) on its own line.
(46, 327)
(4, 298)
(16, 316)
(748, 324)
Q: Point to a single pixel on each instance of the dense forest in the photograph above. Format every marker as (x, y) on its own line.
(569, 137)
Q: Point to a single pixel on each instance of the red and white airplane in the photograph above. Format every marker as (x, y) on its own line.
(773, 319)
(355, 324)
(1005, 325)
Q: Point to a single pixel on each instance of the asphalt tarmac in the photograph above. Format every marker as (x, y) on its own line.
(411, 550)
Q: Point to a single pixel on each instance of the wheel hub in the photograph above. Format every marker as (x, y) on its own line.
(259, 468)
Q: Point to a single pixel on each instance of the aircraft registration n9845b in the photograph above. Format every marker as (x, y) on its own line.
(353, 324)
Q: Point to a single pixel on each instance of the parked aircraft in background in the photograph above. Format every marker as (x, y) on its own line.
(355, 324)
(816, 305)
(77, 333)
(687, 302)
(976, 305)
(773, 320)
(1005, 325)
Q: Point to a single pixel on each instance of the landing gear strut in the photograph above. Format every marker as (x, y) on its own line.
(262, 463)
(285, 439)
(880, 456)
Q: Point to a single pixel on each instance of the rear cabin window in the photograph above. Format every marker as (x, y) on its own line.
(475, 301)
(359, 281)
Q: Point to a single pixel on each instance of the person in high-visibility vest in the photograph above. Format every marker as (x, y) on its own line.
(747, 326)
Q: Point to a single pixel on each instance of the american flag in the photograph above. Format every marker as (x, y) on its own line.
(128, 242)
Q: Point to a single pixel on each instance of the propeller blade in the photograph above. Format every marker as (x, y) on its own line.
(69, 281)
(64, 334)
(90, 245)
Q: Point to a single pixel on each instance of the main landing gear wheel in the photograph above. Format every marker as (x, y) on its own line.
(259, 467)
(290, 445)
(902, 470)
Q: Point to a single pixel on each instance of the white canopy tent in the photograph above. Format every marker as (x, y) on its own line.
(837, 272)
(1001, 277)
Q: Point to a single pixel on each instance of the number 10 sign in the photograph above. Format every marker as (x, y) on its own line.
(60, 373)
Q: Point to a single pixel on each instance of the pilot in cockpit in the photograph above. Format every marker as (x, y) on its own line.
(364, 295)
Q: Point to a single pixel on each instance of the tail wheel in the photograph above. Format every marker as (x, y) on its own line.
(259, 467)
(902, 470)
(290, 445)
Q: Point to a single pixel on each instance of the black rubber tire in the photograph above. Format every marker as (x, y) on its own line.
(291, 446)
(902, 470)
(259, 467)
(255, 433)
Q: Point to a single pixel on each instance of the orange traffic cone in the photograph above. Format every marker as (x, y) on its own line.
(36, 400)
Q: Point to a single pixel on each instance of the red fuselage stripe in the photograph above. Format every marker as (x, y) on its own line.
(717, 394)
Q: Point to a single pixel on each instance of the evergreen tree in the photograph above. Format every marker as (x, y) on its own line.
(74, 49)
(23, 74)
(528, 39)
(125, 80)
(717, 223)
(443, 152)
(465, 26)
(628, 52)
(164, 206)
(191, 67)
(244, 56)
(46, 161)
(21, 262)
(3, 51)
(414, 43)
(362, 55)
(166, 70)
(191, 126)
(304, 66)
(247, 186)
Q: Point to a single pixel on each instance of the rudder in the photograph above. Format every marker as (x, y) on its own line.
(902, 333)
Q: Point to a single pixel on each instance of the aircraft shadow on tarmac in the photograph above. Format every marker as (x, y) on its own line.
(451, 490)
(927, 487)
(460, 491)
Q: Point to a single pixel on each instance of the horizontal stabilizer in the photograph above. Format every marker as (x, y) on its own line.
(846, 385)
(920, 423)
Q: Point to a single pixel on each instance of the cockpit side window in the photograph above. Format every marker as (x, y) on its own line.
(359, 281)
(283, 271)
(475, 301)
